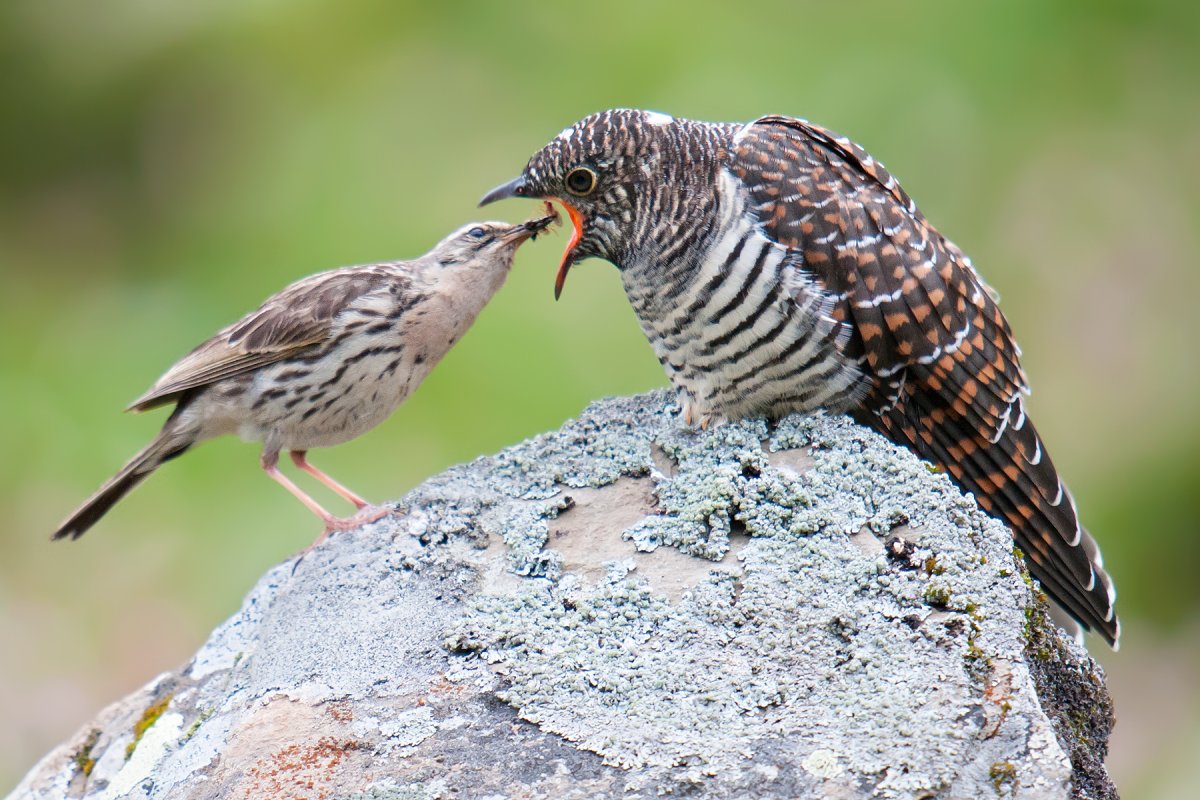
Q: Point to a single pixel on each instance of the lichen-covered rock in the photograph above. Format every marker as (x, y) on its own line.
(630, 608)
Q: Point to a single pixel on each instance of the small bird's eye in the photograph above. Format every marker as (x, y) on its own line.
(477, 233)
(581, 181)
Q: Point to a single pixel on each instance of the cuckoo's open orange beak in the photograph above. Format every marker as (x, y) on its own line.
(517, 188)
(568, 256)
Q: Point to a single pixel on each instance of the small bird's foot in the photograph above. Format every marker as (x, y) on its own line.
(365, 516)
(334, 524)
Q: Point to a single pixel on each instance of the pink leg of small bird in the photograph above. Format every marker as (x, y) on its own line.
(299, 458)
(270, 464)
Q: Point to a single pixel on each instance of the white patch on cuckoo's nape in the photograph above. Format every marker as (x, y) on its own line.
(658, 118)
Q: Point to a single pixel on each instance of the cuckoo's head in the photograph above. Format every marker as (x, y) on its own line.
(608, 171)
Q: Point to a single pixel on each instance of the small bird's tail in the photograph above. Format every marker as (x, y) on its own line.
(169, 443)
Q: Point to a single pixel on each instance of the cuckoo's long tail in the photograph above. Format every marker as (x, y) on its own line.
(1014, 479)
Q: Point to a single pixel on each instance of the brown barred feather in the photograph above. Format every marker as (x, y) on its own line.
(943, 443)
(944, 367)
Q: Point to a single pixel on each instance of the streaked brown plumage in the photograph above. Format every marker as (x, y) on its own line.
(321, 362)
(776, 266)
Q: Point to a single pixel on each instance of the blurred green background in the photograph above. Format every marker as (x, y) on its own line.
(165, 166)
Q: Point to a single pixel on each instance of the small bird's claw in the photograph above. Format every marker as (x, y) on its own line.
(365, 516)
(338, 524)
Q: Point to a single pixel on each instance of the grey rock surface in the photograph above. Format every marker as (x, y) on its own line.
(630, 608)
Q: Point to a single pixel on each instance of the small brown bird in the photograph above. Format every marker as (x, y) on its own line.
(321, 362)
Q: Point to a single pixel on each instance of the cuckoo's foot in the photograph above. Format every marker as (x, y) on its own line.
(694, 418)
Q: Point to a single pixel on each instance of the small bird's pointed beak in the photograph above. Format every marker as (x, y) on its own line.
(531, 228)
(514, 188)
(517, 188)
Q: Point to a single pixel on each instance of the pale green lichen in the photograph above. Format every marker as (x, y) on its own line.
(706, 496)
(626, 673)
(524, 529)
(391, 790)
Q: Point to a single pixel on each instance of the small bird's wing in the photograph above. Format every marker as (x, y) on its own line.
(944, 366)
(301, 316)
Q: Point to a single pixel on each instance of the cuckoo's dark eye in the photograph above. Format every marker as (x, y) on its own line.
(581, 181)
(477, 233)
